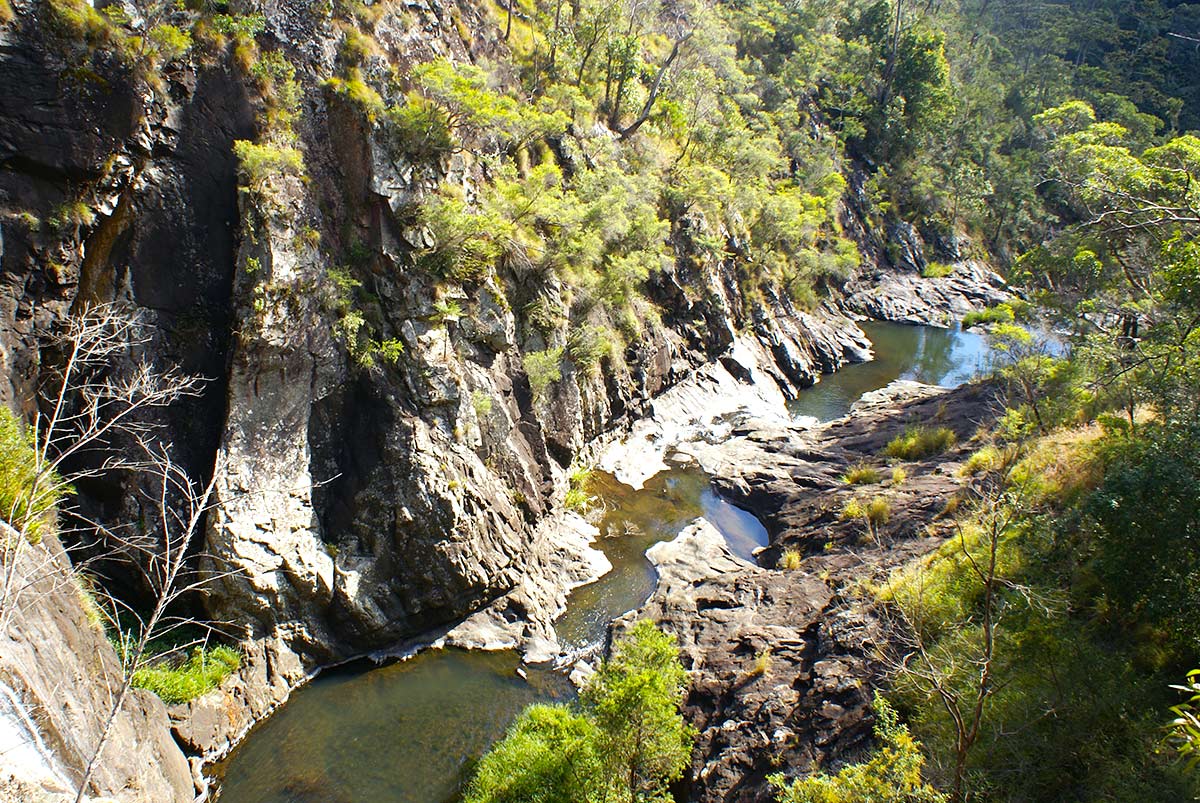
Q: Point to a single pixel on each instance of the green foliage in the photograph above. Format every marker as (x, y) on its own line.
(358, 93)
(544, 368)
(937, 270)
(917, 443)
(862, 474)
(634, 700)
(186, 680)
(481, 402)
(28, 494)
(791, 560)
(1149, 563)
(577, 497)
(891, 775)
(1077, 675)
(1001, 313)
(1184, 733)
(72, 214)
(260, 164)
(548, 755)
(624, 742)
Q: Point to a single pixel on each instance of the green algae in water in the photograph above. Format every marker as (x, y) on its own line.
(404, 733)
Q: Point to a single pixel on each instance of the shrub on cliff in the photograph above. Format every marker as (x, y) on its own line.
(186, 680)
(25, 498)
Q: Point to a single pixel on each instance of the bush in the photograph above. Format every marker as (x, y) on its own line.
(879, 511)
(862, 474)
(482, 403)
(1145, 522)
(936, 270)
(791, 559)
(918, 443)
(1001, 313)
(624, 741)
(202, 672)
(577, 497)
(261, 163)
(899, 475)
(891, 775)
(358, 93)
(544, 369)
(986, 459)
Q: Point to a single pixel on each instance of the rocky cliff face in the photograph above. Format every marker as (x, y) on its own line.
(58, 678)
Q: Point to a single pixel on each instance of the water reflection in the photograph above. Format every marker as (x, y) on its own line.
(938, 356)
(635, 521)
(403, 733)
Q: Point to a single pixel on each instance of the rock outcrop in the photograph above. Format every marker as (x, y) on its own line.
(59, 677)
(782, 660)
(883, 295)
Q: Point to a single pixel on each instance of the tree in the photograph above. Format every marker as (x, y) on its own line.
(634, 700)
(95, 420)
(948, 653)
(624, 742)
(549, 755)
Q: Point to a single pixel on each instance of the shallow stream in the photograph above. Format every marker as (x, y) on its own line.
(408, 732)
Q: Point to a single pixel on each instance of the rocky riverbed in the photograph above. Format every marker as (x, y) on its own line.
(783, 661)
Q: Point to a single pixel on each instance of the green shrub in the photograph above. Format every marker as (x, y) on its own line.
(544, 369)
(891, 775)
(482, 402)
(1001, 313)
(6, 12)
(862, 474)
(587, 345)
(625, 740)
(918, 443)
(358, 93)
(577, 497)
(879, 511)
(899, 475)
(25, 508)
(984, 460)
(79, 19)
(169, 42)
(791, 559)
(261, 163)
(202, 672)
(446, 310)
(72, 213)
(420, 130)
(936, 270)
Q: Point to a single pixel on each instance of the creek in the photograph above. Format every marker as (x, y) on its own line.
(408, 732)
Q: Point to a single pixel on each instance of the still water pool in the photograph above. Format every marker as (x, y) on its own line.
(947, 357)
